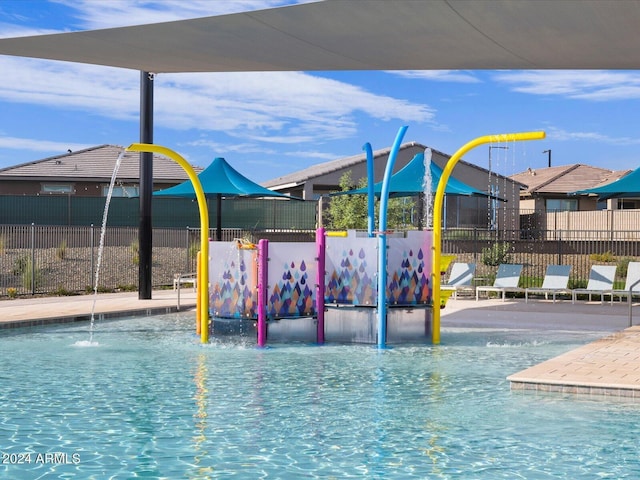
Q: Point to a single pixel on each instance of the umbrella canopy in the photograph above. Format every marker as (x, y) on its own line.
(625, 187)
(409, 181)
(220, 180)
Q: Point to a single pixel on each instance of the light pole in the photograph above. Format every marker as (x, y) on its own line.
(548, 152)
(493, 191)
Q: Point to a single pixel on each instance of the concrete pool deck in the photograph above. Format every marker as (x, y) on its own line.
(28, 312)
(609, 366)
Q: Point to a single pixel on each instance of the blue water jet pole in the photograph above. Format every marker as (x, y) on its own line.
(370, 189)
(382, 240)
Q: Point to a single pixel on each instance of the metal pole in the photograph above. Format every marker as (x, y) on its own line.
(188, 264)
(145, 234)
(33, 259)
(382, 240)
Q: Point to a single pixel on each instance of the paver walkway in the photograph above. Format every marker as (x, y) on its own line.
(23, 312)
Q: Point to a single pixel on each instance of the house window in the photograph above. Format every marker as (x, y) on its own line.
(57, 188)
(121, 191)
(562, 204)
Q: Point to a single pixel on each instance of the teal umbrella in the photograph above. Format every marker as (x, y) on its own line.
(221, 180)
(625, 187)
(409, 182)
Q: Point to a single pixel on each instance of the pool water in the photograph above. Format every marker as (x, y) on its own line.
(151, 402)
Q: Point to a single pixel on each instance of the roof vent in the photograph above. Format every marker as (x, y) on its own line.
(58, 162)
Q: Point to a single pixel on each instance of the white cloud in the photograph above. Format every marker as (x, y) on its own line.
(275, 106)
(119, 13)
(558, 134)
(594, 85)
(35, 145)
(111, 92)
(455, 76)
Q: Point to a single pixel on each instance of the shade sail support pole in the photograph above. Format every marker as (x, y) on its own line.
(145, 230)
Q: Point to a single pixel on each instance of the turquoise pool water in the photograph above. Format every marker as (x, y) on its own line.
(151, 402)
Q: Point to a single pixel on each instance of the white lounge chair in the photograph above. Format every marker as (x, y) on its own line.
(632, 284)
(556, 280)
(600, 283)
(460, 278)
(507, 280)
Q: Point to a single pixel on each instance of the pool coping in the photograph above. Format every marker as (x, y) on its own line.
(146, 312)
(34, 312)
(609, 366)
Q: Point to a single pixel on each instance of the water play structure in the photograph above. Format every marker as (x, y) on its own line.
(372, 287)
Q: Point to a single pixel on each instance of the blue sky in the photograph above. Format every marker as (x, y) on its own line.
(271, 124)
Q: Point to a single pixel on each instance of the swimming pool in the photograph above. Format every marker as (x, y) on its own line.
(152, 402)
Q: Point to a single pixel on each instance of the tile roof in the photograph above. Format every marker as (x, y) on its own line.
(95, 164)
(566, 178)
(314, 171)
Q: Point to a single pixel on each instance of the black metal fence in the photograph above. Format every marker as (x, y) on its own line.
(580, 249)
(62, 260)
(56, 260)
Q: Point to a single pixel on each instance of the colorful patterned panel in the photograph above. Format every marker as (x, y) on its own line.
(291, 278)
(233, 281)
(351, 270)
(409, 269)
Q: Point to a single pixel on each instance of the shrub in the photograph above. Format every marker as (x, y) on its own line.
(603, 257)
(12, 292)
(194, 248)
(20, 265)
(623, 266)
(61, 251)
(497, 254)
(135, 252)
(31, 275)
(63, 292)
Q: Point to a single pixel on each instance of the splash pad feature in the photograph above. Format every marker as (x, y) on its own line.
(203, 270)
(327, 291)
(438, 205)
(246, 289)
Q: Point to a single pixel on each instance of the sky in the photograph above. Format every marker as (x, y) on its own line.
(271, 124)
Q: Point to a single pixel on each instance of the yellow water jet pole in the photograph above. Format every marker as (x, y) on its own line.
(203, 269)
(437, 213)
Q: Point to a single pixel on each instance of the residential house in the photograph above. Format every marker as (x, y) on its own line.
(317, 181)
(549, 189)
(547, 201)
(87, 173)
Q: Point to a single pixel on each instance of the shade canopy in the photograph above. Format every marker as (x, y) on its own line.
(365, 35)
(410, 181)
(625, 187)
(220, 180)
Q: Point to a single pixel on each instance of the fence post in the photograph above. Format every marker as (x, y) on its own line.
(33, 259)
(559, 247)
(475, 244)
(188, 268)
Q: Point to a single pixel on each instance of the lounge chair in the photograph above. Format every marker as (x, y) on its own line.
(632, 284)
(507, 280)
(600, 283)
(556, 280)
(460, 278)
